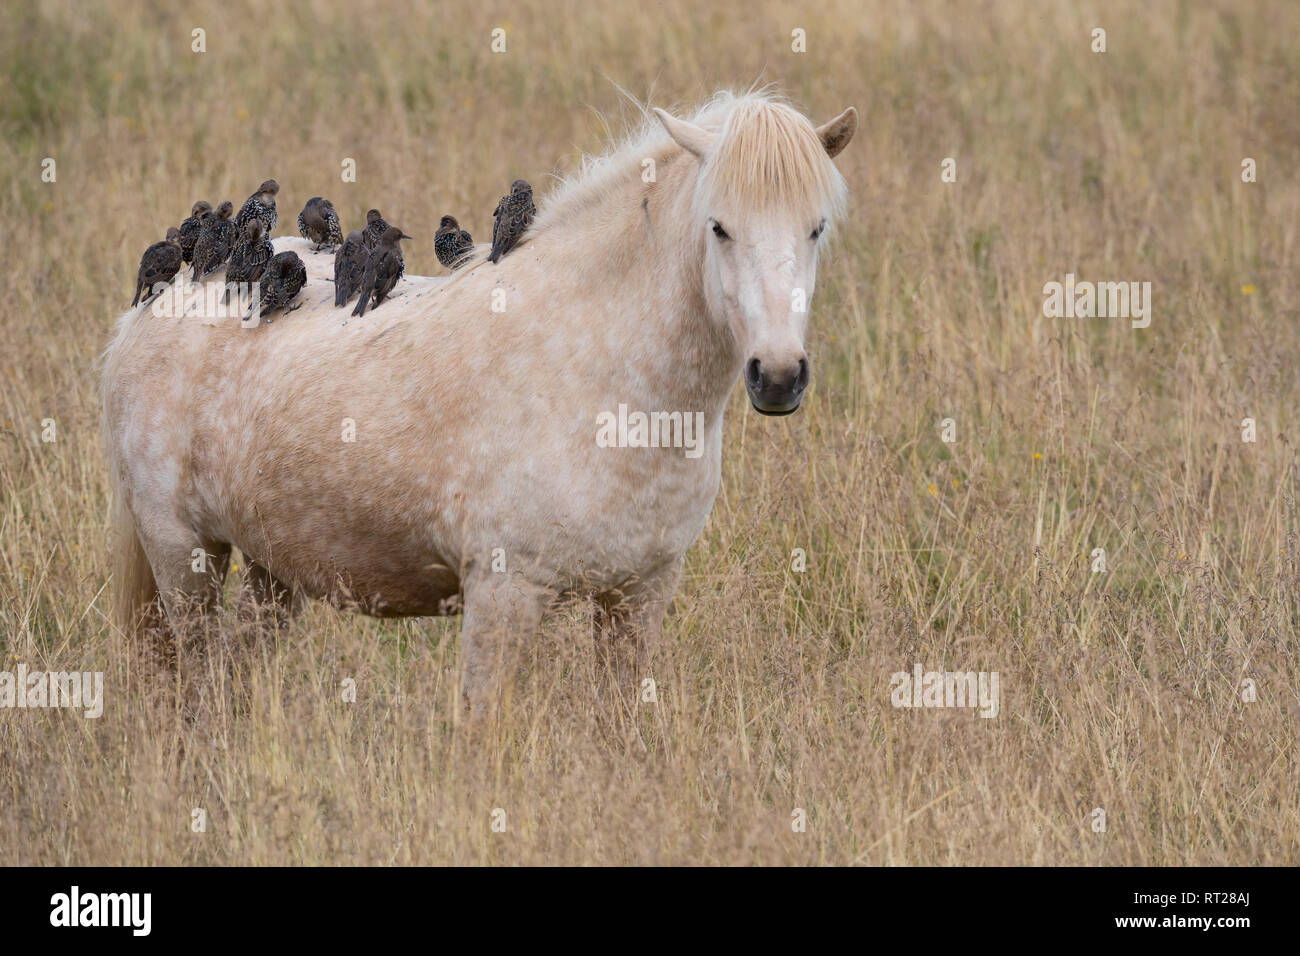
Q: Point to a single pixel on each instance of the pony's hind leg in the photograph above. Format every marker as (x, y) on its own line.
(265, 600)
(190, 574)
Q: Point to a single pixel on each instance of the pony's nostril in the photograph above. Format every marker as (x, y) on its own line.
(802, 381)
(753, 373)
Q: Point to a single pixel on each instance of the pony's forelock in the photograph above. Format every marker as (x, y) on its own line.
(768, 155)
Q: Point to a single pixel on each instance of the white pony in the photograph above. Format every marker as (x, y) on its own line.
(456, 441)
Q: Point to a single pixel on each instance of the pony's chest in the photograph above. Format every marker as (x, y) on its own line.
(644, 523)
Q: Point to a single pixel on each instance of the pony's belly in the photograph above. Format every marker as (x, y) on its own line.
(408, 596)
(382, 563)
(419, 590)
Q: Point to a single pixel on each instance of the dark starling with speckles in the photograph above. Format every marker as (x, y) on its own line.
(384, 267)
(216, 241)
(159, 263)
(452, 244)
(260, 205)
(191, 228)
(375, 227)
(250, 256)
(514, 214)
(319, 223)
(349, 267)
(282, 280)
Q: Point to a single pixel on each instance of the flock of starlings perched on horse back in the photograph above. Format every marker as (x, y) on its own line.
(367, 263)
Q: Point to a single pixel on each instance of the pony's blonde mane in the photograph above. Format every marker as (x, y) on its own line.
(768, 155)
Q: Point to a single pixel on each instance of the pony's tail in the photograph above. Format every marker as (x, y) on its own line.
(135, 590)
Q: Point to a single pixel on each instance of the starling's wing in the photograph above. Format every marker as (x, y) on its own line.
(200, 255)
(367, 284)
(259, 260)
(345, 275)
(512, 225)
(225, 243)
(172, 260)
(189, 236)
(465, 248)
(500, 229)
(394, 268)
(357, 272)
(347, 284)
(236, 269)
(340, 276)
(139, 283)
(399, 270)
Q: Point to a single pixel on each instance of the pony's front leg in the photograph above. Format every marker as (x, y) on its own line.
(500, 611)
(634, 619)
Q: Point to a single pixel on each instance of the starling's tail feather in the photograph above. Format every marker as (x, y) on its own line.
(138, 286)
(361, 303)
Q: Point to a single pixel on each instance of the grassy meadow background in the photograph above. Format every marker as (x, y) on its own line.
(1120, 690)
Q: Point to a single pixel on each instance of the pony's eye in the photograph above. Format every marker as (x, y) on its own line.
(719, 231)
(816, 233)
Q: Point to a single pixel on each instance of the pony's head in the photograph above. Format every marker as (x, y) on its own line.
(766, 193)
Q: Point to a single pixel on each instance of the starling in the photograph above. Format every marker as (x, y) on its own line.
(319, 223)
(349, 267)
(260, 205)
(283, 278)
(249, 258)
(159, 263)
(451, 243)
(514, 214)
(384, 267)
(215, 241)
(375, 227)
(191, 228)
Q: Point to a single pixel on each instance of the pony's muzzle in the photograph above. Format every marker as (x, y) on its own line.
(773, 390)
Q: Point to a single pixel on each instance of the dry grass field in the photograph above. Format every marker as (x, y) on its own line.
(1120, 690)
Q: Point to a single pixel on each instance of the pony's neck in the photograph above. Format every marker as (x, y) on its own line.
(653, 268)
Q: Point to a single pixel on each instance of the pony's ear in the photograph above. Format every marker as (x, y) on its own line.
(836, 134)
(688, 136)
